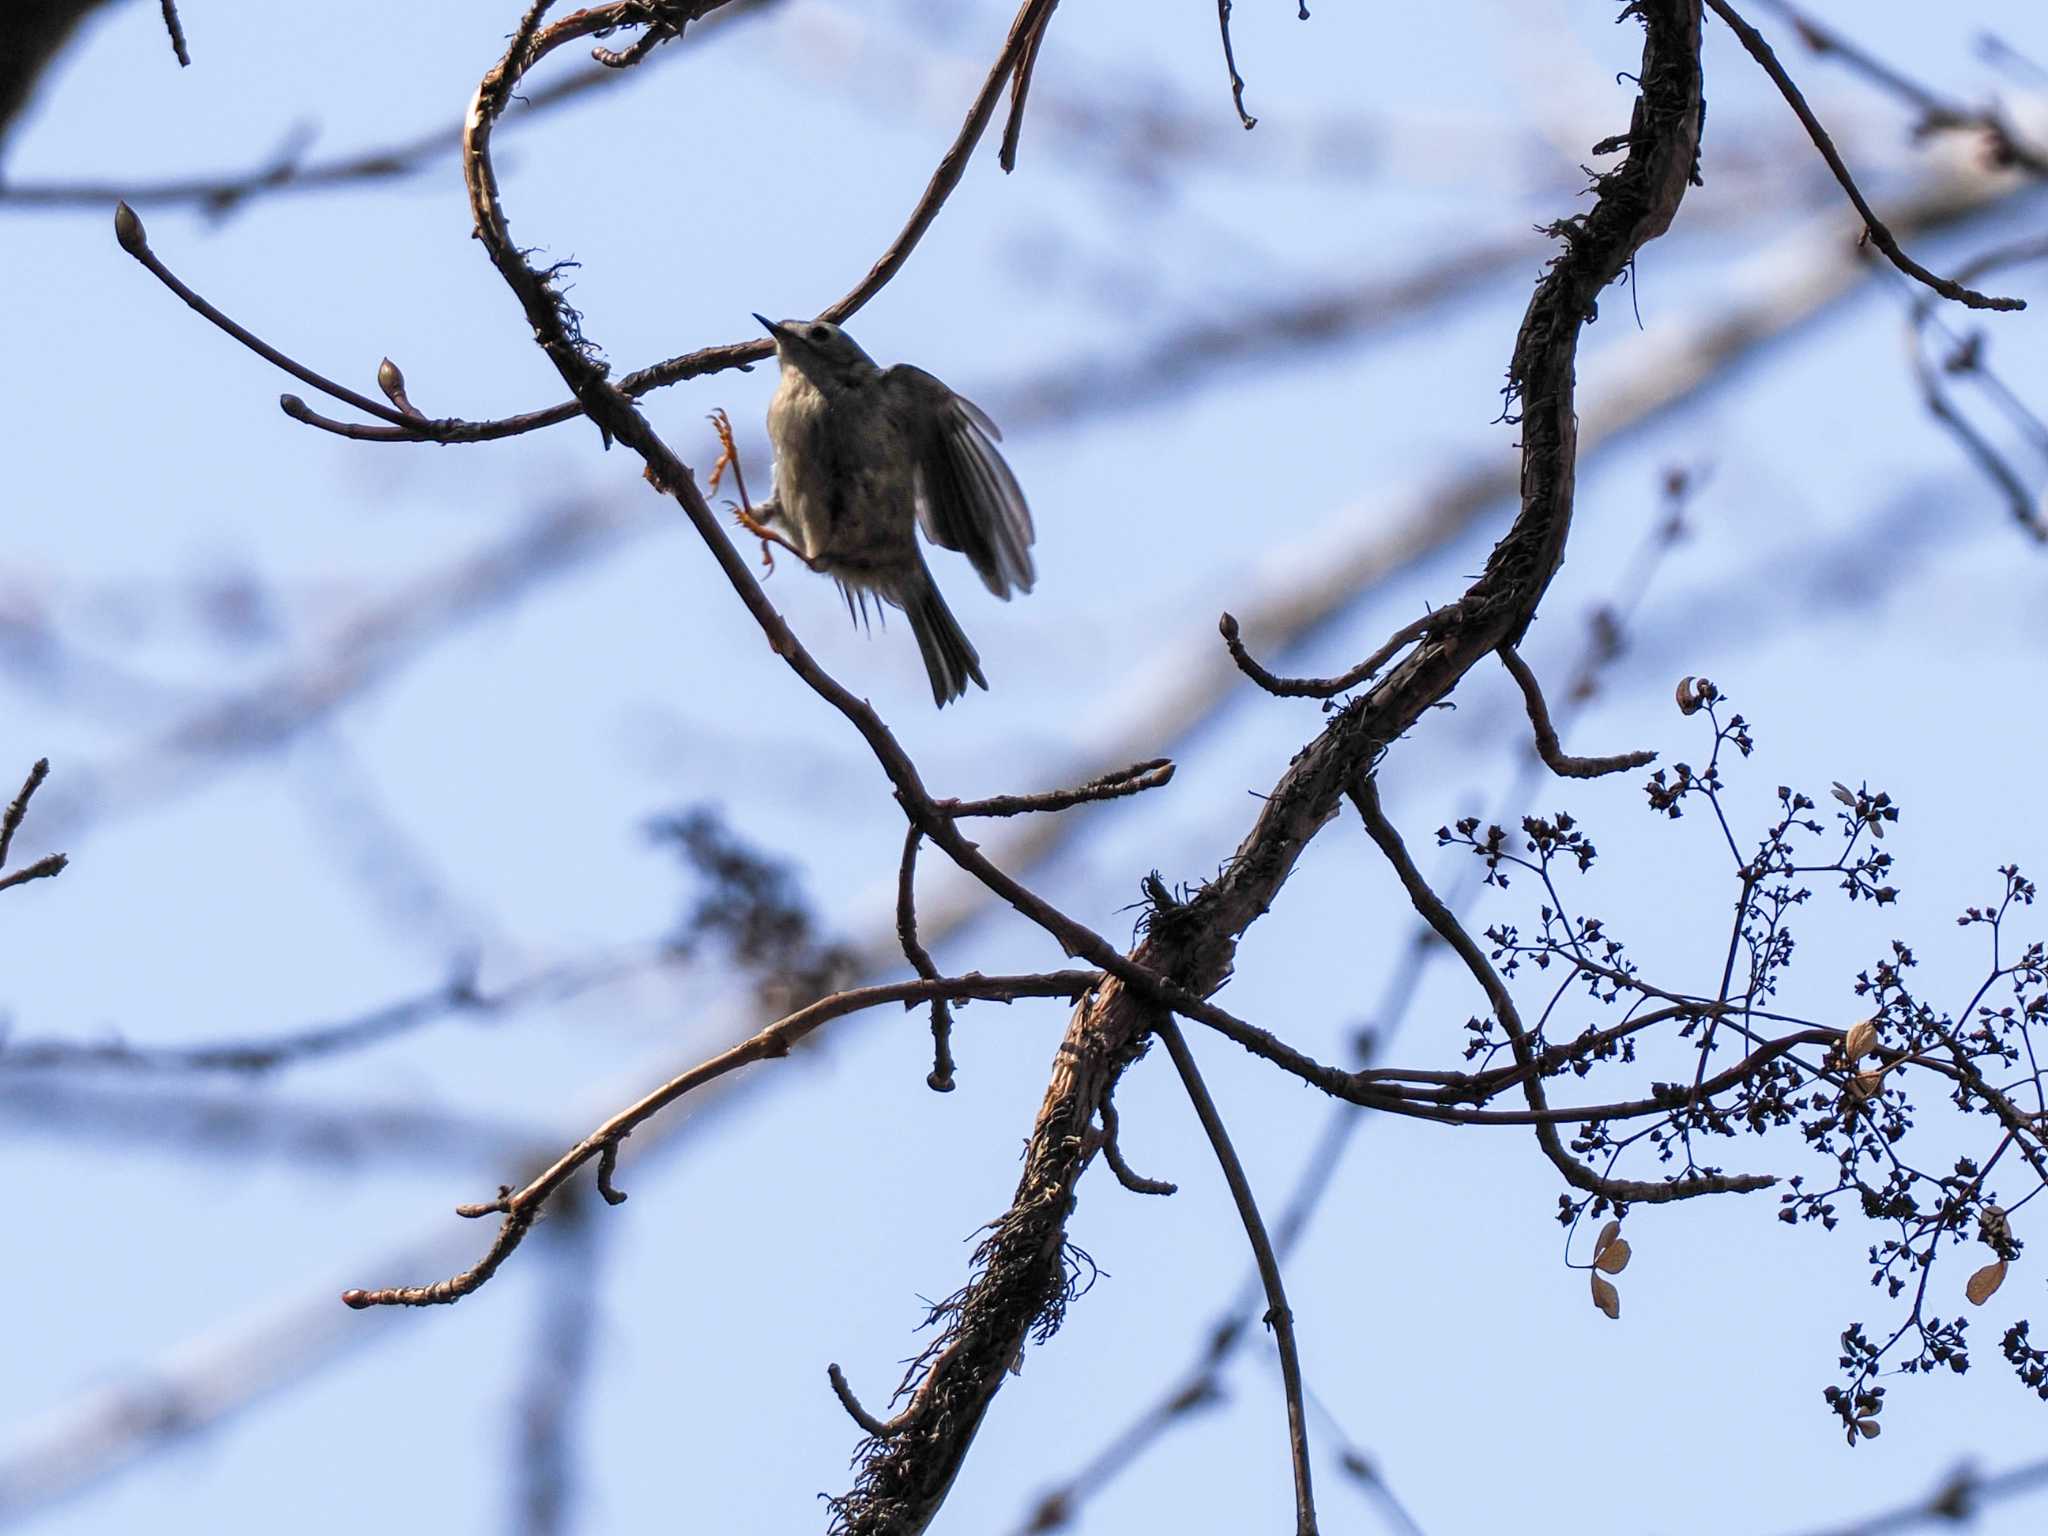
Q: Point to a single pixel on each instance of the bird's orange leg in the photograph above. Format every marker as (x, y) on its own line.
(743, 514)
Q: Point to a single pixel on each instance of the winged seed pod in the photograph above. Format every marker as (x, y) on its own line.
(1606, 1297)
(1986, 1281)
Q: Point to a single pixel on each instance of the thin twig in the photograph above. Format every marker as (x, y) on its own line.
(1278, 1315)
(607, 1172)
(1881, 237)
(42, 869)
(1330, 687)
(881, 1429)
(1020, 88)
(1110, 786)
(940, 1079)
(658, 31)
(18, 808)
(1554, 756)
(177, 30)
(1230, 63)
(1028, 26)
(134, 240)
(1112, 1154)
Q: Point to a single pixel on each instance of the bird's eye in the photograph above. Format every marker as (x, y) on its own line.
(820, 332)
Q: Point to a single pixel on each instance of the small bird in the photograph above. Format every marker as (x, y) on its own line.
(863, 455)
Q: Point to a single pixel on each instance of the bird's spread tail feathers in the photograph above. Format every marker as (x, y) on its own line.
(948, 656)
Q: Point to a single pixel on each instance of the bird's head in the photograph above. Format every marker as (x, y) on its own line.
(820, 350)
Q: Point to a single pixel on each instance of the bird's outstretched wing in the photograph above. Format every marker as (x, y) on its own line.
(967, 499)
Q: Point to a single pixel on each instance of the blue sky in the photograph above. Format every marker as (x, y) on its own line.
(1855, 589)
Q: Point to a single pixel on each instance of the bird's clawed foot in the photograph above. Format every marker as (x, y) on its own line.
(743, 514)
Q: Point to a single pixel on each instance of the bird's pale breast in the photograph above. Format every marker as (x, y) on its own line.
(843, 479)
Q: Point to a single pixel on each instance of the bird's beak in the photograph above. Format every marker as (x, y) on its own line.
(779, 332)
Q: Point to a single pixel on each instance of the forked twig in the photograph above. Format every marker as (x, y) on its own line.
(522, 1207)
(50, 864)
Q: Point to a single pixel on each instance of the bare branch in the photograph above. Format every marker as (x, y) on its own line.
(134, 240)
(1279, 1317)
(522, 1207)
(1201, 1384)
(1230, 63)
(1881, 237)
(1019, 1287)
